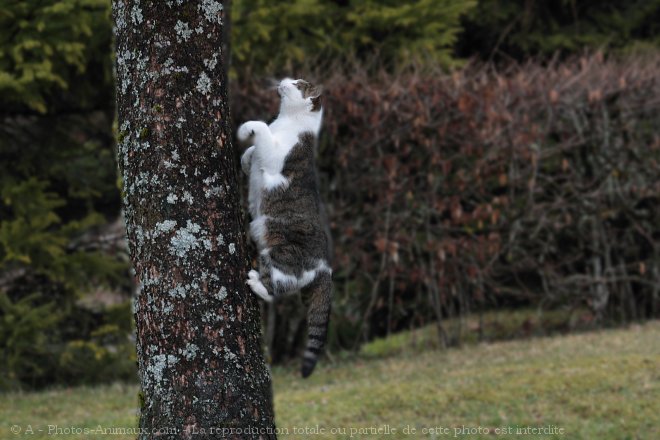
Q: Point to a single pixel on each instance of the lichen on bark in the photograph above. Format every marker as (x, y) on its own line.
(198, 332)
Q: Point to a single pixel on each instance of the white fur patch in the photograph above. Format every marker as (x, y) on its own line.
(292, 283)
(272, 181)
(258, 230)
(255, 191)
(285, 280)
(309, 355)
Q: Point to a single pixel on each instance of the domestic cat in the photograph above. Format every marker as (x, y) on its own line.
(289, 225)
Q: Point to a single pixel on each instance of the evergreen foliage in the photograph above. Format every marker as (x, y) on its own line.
(24, 332)
(57, 179)
(48, 46)
(504, 29)
(272, 36)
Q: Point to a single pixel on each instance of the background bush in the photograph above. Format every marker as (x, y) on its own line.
(478, 189)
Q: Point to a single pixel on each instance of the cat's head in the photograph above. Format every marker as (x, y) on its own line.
(299, 95)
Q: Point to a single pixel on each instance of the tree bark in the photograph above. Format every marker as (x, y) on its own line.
(201, 366)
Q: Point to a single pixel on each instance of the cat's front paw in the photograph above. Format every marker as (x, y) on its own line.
(246, 131)
(257, 286)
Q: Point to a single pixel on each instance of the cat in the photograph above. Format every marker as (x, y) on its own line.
(289, 225)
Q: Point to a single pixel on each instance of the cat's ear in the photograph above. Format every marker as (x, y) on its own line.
(316, 91)
(315, 95)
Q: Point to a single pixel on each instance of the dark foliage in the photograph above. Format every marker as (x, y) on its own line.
(58, 196)
(516, 29)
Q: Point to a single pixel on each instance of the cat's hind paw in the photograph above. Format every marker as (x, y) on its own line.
(257, 286)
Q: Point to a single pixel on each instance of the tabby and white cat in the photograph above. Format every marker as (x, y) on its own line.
(288, 224)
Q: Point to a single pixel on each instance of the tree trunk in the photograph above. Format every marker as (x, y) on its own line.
(198, 331)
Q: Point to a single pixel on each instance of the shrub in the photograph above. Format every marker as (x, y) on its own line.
(25, 327)
(107, 356)
(450, 192)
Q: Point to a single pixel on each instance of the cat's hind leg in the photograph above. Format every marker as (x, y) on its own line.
(260, 282)
(271, 283)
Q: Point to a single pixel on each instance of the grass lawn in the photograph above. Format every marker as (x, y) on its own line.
(599, 385)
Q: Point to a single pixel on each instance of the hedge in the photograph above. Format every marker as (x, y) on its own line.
(447, 193)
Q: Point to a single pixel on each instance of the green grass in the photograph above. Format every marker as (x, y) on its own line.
(496, 325)
(105, 406)
(598, 385)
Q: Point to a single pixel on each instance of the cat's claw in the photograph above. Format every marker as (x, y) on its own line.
(257, 286)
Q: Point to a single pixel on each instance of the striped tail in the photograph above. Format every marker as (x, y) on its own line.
(319, 296)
